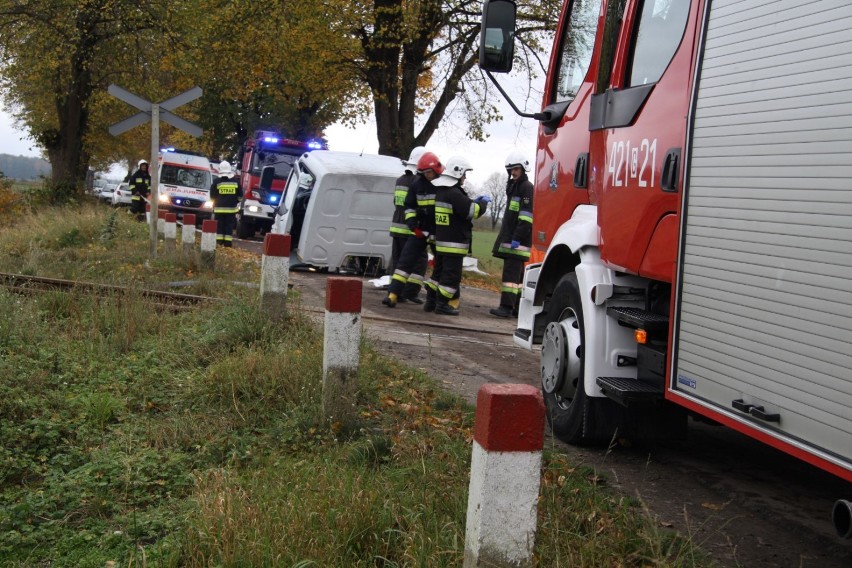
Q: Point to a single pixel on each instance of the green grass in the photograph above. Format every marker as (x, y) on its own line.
(146, 438)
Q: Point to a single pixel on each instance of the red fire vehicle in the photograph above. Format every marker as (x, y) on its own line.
(265, 148)
(692, 225)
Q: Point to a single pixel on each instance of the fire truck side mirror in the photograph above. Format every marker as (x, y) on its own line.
(497, 36)
(266, 178)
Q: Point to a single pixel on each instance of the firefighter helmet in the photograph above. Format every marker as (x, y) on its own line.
(515, 158)
(411, 164)
(456, 168)
(142, 161)
(429, 161)
(225, 169)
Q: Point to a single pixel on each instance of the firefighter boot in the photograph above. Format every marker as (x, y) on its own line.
(501, 312)
(429, 306)
(390, 300)
(445, 309)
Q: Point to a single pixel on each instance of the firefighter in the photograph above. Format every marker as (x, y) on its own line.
(515, 238)
(454, 215)
(399, 229)
(225, 194)
(140, 188)
(411, 266)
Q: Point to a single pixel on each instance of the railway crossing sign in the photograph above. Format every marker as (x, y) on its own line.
(154, 112)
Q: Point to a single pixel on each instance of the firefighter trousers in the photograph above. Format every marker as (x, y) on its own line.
(225, 223)
(449, 279)
(513, 278)
(407, 279)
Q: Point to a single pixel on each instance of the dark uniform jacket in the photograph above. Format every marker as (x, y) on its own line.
(226, 194)
(454, 215)
(140, 184)
(399, 225)
(420, 206)
(517, 220)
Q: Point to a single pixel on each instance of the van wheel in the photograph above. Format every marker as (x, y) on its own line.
(574, 417)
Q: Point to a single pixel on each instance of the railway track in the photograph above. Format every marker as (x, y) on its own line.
(174, 301)
(158, 299)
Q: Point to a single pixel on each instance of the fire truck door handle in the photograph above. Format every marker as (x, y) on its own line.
(761, 414)
(671, 168)
(581, 170)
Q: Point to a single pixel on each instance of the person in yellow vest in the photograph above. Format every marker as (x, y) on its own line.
(514, 242)
(140, 187)
(226, 194)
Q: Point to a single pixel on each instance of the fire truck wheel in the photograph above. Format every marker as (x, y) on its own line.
(573, 416)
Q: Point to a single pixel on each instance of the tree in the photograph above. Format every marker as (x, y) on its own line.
(272, 66)
(495, 188)
(418, 58)
(57, 59)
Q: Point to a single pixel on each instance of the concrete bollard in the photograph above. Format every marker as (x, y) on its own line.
(505, 474)
(208, 243)
(161, 222)
(187, 234)
(170, 233)
(341, 353)
(274, 272)
(148, 213)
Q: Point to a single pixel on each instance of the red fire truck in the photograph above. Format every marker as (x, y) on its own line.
(263, 149)
(692, 225)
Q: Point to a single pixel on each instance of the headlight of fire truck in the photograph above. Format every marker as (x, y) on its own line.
(164, 198)
(208, 205)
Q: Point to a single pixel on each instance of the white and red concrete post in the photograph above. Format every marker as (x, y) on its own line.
(161, 222)
(505, 474)
(187, 234)
(148, 214)
(208, 243)
(170, 232)
(341, 349)
(274, 273)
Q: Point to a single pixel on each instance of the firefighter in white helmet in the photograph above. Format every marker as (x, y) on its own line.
(514, 241)
(400, 229)
(454, 215)
(140, 188)
(226, 194)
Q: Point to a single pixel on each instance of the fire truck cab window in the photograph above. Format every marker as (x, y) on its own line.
(659, 31)
(282, 163)
(575, 51)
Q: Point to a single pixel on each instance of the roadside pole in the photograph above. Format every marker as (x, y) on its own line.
(274, 272)
(505, 474)
(154, 170)
(341, 350)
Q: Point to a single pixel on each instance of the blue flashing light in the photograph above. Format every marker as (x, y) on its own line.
(271, 139)
(169, 149)
(314, 145)
(273, 199)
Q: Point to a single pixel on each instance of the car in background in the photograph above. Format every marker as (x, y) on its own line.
(105, 194)
(121, 195)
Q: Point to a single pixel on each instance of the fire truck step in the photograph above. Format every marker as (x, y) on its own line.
(624, 391)
(639, 319)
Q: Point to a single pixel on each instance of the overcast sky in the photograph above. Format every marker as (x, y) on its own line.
(513, 132)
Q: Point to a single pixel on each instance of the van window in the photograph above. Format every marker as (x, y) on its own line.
(575, 49)
(658, 33)
(172, 174)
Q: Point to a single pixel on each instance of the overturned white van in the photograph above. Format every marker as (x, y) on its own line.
(337, 208)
